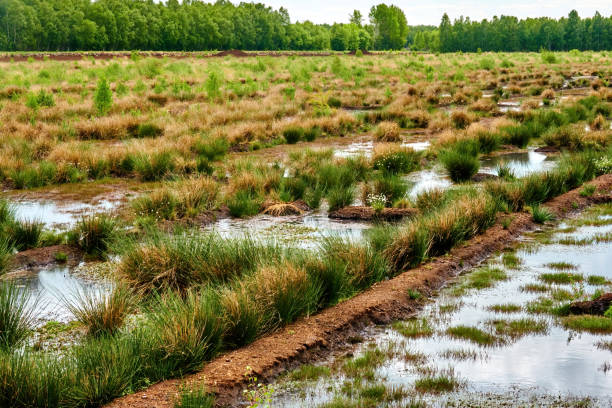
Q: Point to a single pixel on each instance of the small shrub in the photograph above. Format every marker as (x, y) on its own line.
(103, 97)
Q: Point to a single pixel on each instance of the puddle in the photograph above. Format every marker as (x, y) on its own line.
(355, 149)
(48, 285)
(366, 148)
(509, 106)
(301, 231)
(57, 215)
(522, 164)
(546, 369)
(425, 180)
(417, 146)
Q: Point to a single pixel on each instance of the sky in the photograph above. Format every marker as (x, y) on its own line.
(431, 11)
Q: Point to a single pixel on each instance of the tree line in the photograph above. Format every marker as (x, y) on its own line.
(68, 25)
(196, 25)
(507, 33)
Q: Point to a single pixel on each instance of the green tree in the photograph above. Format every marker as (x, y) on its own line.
(103, 97)
(390, 27)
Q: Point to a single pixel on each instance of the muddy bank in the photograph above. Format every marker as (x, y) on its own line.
(39, 257)
(368, 214)
(318, 335)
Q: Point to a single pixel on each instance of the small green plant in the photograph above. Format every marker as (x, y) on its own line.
(95, 234)
(61, 257)
(414, 294)
(257, 394)
(588, 190)
(194, 398)
(103, 97)
(293, 134)
(378, 202)
(541, 215)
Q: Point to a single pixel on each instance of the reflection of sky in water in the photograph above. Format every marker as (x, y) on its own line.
(522, 164)
(56, 215)
(301, 231)
(49, 285)
(425, 180)
(559, 363)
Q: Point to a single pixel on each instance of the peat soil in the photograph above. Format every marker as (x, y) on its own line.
(318, 336)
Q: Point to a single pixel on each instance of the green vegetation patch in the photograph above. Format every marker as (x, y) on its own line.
(591, 324)
(473, 334)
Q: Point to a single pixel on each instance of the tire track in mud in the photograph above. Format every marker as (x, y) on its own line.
(317, 336)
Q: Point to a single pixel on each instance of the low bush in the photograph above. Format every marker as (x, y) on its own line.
(460, 166)
(293, 135)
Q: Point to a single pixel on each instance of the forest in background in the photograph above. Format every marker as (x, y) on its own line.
(194, 25)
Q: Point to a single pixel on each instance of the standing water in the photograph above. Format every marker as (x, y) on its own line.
(497, 337)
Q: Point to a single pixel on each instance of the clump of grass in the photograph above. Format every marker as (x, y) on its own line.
(436, 384)
(286, 291)
(24, 235)
(473, 334)
(591, 324)
(459, 165)
(394, 159)
(101, 312)
(364, 365)
(596, 280)
(561, 278)
(561, 266)
(414, 328)
(484, 278)
(16, 316)
(6, 255)
(518, 328)
(588, 190)
(339, 197)
(510, 260)
(244, 318)
(185, 330)
(505, 308)
(459, 354)
(293, 134)
(95, 234)
(387, 132)
(194, 398)
(541, 215)
(535, 288)
(309, 372)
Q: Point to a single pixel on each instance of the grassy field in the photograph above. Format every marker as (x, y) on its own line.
(203, 139)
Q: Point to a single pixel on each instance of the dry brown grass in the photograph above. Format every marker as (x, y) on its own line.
(108, 128)
(387, 132)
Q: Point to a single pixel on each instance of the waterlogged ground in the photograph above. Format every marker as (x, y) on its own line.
(495, 338)
(50, 287)
(303, 231)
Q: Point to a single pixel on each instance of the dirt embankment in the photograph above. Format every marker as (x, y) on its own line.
(318, 335)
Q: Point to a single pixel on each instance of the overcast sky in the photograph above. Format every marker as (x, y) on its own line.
(431, 11)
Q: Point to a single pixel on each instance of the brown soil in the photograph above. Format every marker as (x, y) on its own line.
(37, 257)
(480, 177)
(593, 307)
(368, 213)
(316, 336)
